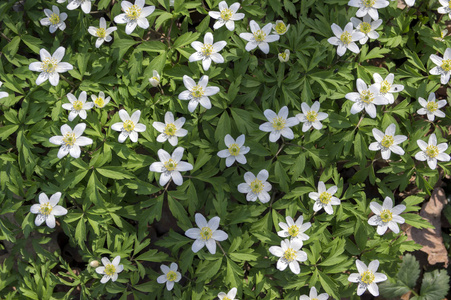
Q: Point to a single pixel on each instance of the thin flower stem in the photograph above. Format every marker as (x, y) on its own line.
(225, 254)
(167, 185)
(361, 118)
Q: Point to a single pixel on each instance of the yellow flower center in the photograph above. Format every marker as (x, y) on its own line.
(54, 19)
(49, 65)
(346, 38)
(367, 277)
(170, 129)
(226, 298)
(45, 209)
(206, 233)
(226, 14)
(367, 97)
(386, 215)
(311, 116)
(110, 269)
(432, 106)
(129, 125)
(99, 102)
(256, 186)
(365, 27)
(432, 151)
(101, 32)
(283, 55)
(449, 4)
(69, 139)
(197, 91)
(368, 3)
(234, 149)
(446, 65)
(259, 36)
(387, 141)
(325, 197)
(385, 87)
(77, 105)
(156, 79)
(133, 12)
(170, 165)
(281, 28)
(207, 49)
(289, 255)
(278, 123)
(171, 276)
(293, 231)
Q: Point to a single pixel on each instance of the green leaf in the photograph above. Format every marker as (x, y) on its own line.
(417, 221)
(435, 285)
(114, 172)
(409, 271)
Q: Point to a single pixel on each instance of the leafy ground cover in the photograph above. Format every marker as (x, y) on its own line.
(284, 176)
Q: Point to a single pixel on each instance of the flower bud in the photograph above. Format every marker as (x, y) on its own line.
(94, 263)
(155, 80)
(284, 56)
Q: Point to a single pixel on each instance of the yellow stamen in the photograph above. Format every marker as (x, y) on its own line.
(367, 277)
(234, 149)
(45, 209)
(259, 36)
(325, 197)
(281, 28)
(134, 12)
(207, 49)
(110, 270)
(346, 38)
(170, 129)
(206, 233)
(278, 123)
(311, 116)
(69, 139)
(387, 141)
(101, 32)
(171, 276)
(385, 87)
(367, 97)
(99, 102)
(197, 91)
(78, 105)
(49, 65)
(386, 216)
(293, 231)
(432, 151)
(365, 27)
(256, 186)
(289, 255)
(226, 14)
(432, 106)
(54, 19)
(446, 65)
(170, 165)
(368, 3)
(129, 125)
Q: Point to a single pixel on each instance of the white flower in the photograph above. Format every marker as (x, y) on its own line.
(48, 209)
(102, 33)
(367, 277)
(135, 15)
(311, 117)
(77, 107)
(278, 124)
(314, 295)
(443, 67)
(284, 56)
(295, 230)
(226, 15)
(409, 2)
(443, 33)
(345, 39)
(170, 166)
(280, 28)
(207, 234)
(256, 187)
(431, 152)
(290, 253)
(129, 126)
(386, 216)
(170, 129)
(445, 9)
(259, 37)
(431, 108)
(71, 141)
(54, 19)
(235, 150)
(207, 51)
(170, 275)
(229, 296)
(197, 93)
(50, 66)
(3, 94)
(367, 27)
(110, 269)
(387, 88)
(366, 98)
(324, 198)
(155, 79)
(100, 101)
(369, 7)
(387, 142)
